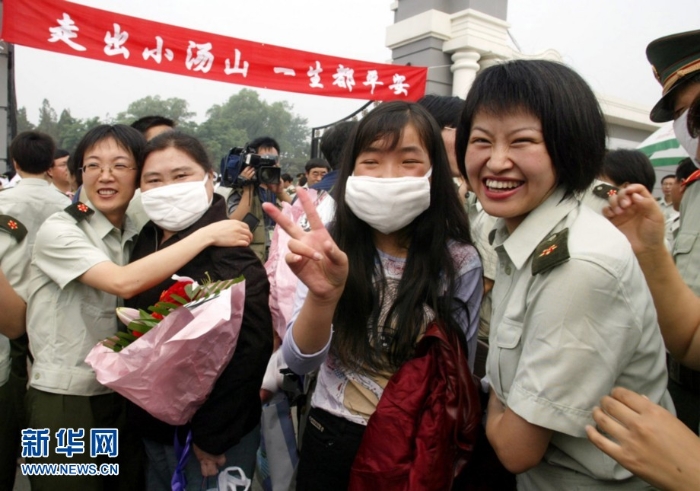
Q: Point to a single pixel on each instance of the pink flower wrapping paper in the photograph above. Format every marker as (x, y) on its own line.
(172, 368)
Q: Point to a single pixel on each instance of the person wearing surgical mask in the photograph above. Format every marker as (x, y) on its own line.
(396, 257)
(676, 63)
(178, 197)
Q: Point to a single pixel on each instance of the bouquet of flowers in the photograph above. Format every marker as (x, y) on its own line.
(170, 356)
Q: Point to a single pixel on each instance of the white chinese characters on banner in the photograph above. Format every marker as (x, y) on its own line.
(200, 58)
(157, 52)
(114, 43)
(66, 31)
(344, 78)
(236, 68)
(203, 60)
(314, 76)
(399, 86)
(372, 79)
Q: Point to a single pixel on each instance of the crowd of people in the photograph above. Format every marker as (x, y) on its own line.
(428, 232)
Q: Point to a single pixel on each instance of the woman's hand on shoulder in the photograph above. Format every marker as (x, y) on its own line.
(227, 233)
(636, 213)
(314, 257)
(647, 440)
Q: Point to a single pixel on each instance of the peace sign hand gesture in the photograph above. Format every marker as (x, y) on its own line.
(314, 257)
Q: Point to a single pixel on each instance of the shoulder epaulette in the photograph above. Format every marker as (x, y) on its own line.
(551, 252)
(604, 191)
(13, 226)
(79, 211)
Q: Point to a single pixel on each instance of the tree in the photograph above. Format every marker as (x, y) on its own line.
(245, 116)
(23, 124)
(48, 121)
(174, 108)
(69, 129)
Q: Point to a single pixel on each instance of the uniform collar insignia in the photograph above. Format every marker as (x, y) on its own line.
(551, 252)
(604, 191)
(79, 211)
(13, 226)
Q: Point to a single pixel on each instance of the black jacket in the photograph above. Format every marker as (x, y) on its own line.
(233, 408)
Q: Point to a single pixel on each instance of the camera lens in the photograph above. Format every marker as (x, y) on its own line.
(269, 175)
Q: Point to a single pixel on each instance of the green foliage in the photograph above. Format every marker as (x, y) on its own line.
(48, 120)
(23, 124)
(243, 117)
(174, 108)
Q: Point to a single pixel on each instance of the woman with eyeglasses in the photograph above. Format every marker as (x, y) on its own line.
(80, 272)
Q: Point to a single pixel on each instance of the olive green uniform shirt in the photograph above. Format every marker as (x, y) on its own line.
(686, 248)
(66, 318)
(31, 202)
(563, 338)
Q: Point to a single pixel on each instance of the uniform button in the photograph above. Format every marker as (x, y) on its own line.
(508, 270)
(36, 376)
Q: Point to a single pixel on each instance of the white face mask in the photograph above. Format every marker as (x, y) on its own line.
(689, 144)
(388, 204)
(176, 206)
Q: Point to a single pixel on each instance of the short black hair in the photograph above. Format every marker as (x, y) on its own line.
(445, 109)
(33, 151)
(316, 163)
(624, 165)
(125, 136)
(147, 122)
(685, 168)
(60, 153)
(668, 176)
(183, 142)
(286, 177)
(573, 125)
(265, 142)
(333, 142)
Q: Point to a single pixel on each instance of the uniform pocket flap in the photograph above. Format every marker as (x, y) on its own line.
(509, 333)
(684, 242)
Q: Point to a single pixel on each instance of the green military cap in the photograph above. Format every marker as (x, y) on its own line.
(673, 58)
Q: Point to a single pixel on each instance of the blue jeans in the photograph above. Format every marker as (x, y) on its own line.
(162, 463)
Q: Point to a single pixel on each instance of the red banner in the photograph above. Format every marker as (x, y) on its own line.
(78, 30)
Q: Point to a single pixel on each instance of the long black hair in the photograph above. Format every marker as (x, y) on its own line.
(429, 277)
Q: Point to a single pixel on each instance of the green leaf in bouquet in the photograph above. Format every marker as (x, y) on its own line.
(143, 325)
(144, 314)
(127, 336)
(159, 308)
(179, 299)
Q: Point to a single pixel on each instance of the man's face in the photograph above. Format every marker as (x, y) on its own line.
(676, 193)
(315, 175)
(666, 186)
(59, 174)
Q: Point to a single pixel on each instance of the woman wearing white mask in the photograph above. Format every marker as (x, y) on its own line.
(178, 197)
(397, 256)
(80, 271)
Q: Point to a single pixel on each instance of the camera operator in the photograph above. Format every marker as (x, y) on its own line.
(248, 195)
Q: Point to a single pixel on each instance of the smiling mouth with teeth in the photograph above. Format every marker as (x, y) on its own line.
(107, 192)
(495, 185)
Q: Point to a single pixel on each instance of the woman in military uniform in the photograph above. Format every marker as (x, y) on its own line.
(80, 270)
(572, 315)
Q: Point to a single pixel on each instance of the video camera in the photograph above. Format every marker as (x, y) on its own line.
(238, 158)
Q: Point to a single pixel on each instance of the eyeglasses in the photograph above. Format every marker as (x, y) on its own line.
(116, 169)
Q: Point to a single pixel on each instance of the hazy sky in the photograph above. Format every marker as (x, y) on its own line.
(604, 40)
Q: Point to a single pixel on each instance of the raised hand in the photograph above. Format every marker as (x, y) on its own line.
(647, 440)
(637, 214)
(314, 257)
(229, 233)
